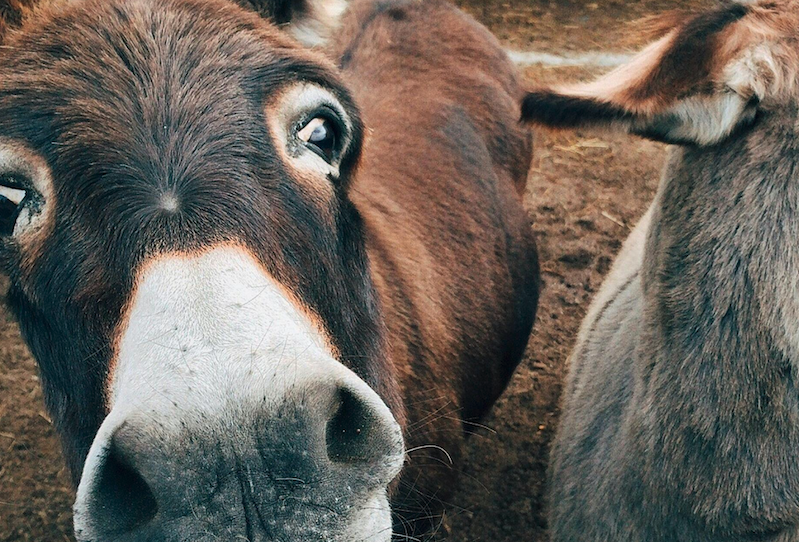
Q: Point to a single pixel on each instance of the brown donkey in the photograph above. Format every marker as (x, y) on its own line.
(681, 411)
(261, 311)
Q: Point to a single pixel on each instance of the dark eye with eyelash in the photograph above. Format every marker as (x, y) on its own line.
(320, 134)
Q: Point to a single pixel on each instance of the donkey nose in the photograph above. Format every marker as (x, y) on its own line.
(152, 479)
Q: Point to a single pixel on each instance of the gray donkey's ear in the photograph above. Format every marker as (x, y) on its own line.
(312, 22)
(696, 85)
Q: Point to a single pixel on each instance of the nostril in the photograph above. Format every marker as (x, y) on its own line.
(122, 500)
(356, 433)
(349, 430)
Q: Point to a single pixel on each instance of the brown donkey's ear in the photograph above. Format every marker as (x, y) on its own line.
(312, 22)
(696, 85)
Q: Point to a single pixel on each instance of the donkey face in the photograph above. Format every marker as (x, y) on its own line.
(190, 275)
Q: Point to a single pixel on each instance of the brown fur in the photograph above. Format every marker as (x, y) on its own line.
(426, 65)
(12, 13)
(702, 54)
(437, 186)
(673, 66)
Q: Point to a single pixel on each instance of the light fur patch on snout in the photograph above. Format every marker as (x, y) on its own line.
(207, 337)
(204, 331)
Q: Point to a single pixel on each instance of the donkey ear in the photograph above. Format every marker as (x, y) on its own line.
(312, 22)
(680, 89)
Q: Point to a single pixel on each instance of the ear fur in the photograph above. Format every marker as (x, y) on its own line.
(312, 22)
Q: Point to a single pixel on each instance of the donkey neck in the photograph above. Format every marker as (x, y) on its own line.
(721, 279)
(715, 412)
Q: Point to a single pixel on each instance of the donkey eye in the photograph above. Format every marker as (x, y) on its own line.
(12, 202)
(320, 135)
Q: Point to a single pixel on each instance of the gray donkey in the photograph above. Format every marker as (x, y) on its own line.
(681, 410)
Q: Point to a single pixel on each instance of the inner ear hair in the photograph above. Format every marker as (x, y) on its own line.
(312, 22)
(672, 91)
(673, 66)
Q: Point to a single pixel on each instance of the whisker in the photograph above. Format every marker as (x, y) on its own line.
(433, 446)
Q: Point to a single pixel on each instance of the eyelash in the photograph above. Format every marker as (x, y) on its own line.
(12, 180)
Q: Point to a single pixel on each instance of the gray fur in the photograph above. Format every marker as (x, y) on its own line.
(681, 411)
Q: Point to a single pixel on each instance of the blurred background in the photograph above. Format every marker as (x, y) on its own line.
(584, 193)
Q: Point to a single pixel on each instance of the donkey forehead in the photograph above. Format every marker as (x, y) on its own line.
(151, 106)
(100, 73)
(153, 119)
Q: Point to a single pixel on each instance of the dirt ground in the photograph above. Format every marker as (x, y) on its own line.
(585, 192)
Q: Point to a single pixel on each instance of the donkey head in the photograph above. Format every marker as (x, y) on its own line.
(190, 275)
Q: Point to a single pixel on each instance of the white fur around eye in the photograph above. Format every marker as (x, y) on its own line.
(17, 159)
(295, 103)
(320, 21)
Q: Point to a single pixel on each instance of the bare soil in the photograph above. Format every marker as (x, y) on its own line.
(584, 193)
